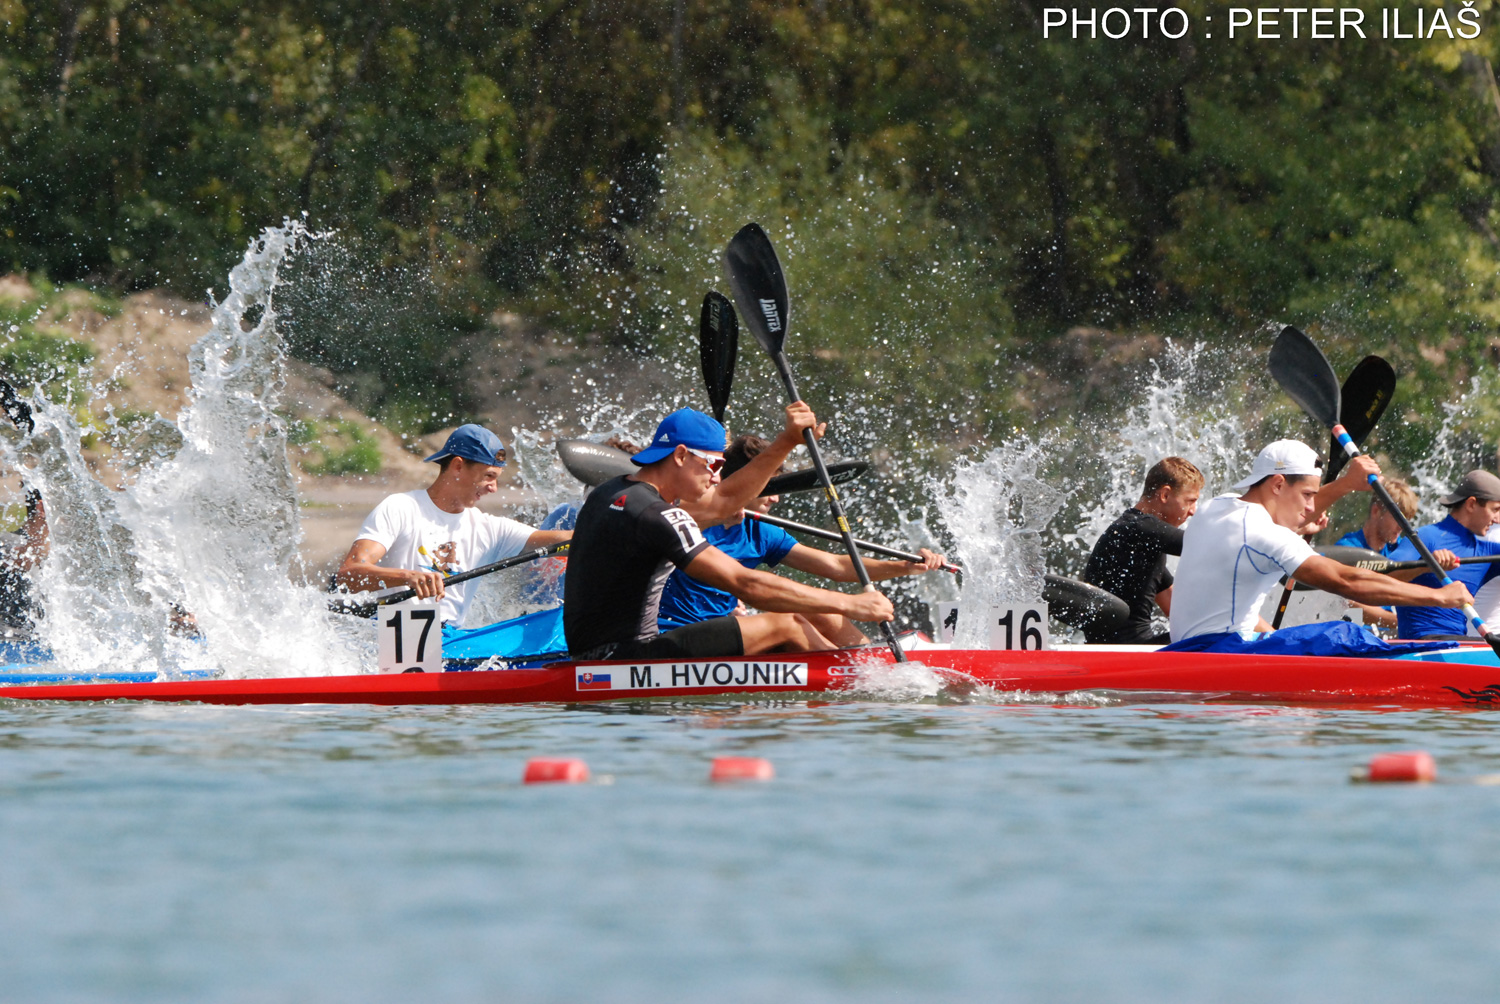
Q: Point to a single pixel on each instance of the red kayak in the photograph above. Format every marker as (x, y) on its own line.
(1461, 677)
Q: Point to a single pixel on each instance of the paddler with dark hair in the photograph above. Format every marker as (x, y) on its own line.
(752, 543)
(1130, 558)
(415, 539)
(635, 528)
(1473, 507)
(1238, 547)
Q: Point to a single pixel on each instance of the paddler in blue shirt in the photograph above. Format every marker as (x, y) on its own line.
(1473, 507)
(752, 543)
(1380, 533)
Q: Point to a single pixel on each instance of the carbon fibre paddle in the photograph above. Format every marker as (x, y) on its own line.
(759, 287)
(1302, 370)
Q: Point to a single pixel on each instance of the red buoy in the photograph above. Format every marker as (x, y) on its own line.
(1417, 765)
(548, 770)
(741, 768)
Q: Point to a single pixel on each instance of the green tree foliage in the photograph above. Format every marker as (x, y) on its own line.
(583, 158)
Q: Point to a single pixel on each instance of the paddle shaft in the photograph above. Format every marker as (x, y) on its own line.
(835, 506)
(817, 531)
(1406, 566)
(1342, 435)
(368, 609)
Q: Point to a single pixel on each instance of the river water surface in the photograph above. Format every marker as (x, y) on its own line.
(904, 851)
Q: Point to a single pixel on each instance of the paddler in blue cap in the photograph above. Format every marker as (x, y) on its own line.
(1240, 545)
(686, 600)
(414, 539)
(634, 529)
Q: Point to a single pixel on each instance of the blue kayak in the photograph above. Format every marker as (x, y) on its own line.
(519, 643)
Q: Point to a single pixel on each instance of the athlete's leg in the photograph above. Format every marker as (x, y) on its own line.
(781, 633)
(836, 628)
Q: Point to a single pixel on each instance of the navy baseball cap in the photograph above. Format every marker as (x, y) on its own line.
(684, 427)
(473, 442)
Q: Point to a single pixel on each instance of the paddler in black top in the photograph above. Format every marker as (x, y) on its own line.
(634, 529)
(1130, 559)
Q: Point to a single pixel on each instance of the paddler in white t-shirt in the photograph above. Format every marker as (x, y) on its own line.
(1239, 545)
(417, 538)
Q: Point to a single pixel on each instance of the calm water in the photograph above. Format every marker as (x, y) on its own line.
(917, 851)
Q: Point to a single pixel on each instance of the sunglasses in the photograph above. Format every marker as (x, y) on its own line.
(715, 464)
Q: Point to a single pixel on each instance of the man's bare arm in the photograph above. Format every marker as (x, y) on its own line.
(1376, 589)
(839, 568)
(723, 502)
(359, 572)
(776, 594)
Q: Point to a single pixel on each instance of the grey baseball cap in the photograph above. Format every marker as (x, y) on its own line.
(1481, 485)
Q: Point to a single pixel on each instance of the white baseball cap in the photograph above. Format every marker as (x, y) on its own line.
(1286, 457)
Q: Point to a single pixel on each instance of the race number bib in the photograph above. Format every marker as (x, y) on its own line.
(411, 637)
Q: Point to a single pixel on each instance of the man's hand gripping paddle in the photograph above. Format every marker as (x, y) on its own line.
(759, 287)
(1304, 373)
(344, 606)
(1367, 390)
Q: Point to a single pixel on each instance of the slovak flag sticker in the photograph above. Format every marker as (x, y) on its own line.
(593, 681)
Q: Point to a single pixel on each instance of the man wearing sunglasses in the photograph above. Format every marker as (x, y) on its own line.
(634, 529)
(415, 539)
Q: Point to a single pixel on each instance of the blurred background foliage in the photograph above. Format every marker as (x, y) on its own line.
(955, 196)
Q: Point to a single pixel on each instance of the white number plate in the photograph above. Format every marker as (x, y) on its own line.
(411, 637)
(1020, 628)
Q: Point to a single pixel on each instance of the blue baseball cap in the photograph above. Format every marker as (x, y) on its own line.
(684, 427)
(473, 442)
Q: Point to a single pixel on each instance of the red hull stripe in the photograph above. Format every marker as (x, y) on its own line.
(1270, 678)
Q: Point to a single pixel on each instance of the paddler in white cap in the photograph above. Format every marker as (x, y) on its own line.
(1239, 545)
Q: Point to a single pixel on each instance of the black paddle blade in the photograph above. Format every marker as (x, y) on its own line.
(593, 463)
(1367, 391)
(807, 480)
(18, 411)
(718, 344)
(759, 286)
(1084, 606)
(1305, 374)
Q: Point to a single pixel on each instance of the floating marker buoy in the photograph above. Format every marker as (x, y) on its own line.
(741, 768)
(1414, 766)
(553, 770)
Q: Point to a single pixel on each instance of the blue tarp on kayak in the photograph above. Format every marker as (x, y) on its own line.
(535, 634)
(1325, 638)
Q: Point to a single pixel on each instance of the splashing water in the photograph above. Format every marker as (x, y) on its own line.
(212, 527)
(1170, 420)
(1002, 506)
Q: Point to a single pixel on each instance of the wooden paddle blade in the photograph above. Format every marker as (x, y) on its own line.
(1367, 391)
(718, 344)
(1305, 374)
(807, 480)
(759, 286)
(1084, 606)
(593, 463)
